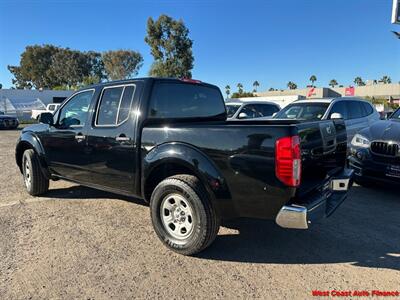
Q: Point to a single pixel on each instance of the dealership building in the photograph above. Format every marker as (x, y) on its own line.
(372, 90)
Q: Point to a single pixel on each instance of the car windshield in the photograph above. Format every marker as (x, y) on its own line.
(231, 109)
(395, 115)
(304, 111)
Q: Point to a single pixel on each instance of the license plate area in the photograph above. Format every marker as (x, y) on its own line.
(393, 171)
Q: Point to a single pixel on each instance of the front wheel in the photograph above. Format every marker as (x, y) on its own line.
(182, 214)
(35, 181)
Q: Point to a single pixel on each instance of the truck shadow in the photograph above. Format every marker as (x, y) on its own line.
(79, 192)
(365, 232)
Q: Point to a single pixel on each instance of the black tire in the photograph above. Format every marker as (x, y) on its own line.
(205, 219)
(37, 184)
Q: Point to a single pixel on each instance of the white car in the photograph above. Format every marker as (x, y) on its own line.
(251, 109)
(51, 108)
(356, 113)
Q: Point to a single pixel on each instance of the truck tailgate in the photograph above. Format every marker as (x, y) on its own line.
(323, 152)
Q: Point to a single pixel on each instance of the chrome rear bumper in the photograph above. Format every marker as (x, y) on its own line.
(300, 216)
(292, 217)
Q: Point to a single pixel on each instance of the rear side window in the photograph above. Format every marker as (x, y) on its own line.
(355, 109)
(182, 100)
(341, 108)
(115, 104)
(368, 108)
(125, 105)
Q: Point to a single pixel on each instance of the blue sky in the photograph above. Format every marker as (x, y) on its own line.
(272, 41)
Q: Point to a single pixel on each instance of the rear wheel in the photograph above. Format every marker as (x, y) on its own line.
(35, 181)
(182, 214)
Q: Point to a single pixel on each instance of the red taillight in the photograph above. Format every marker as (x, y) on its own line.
(288, 160)
(189, 80)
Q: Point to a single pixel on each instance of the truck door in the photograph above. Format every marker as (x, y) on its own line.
(111, 139)
(65, 142)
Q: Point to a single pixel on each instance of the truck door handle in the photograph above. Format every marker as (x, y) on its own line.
(79, 137)
(122, 138)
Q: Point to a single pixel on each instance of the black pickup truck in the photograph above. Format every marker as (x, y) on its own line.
(168, 142)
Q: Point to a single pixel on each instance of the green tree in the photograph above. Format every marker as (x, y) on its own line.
(97, 71)
(227, 90)
(33, 70)
(333, 83)
(122, 64)
(313, 79)
(358, 81)
(240, 88)
(271, 89)
(170, 46)
(48, 66)
(256, 84)
(386, 79)
(1, 86)
(291, 85)
(69, 67)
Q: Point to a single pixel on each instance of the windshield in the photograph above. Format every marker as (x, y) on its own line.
(231, 109)
(395, 115)
(304, 111)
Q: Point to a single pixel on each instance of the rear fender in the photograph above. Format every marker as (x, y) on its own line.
(196, 161)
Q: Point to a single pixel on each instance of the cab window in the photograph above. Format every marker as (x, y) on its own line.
(74, 113)
(115, 105)
(184, 100)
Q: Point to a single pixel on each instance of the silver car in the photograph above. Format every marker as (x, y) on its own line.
(251, 109)
(357, 113)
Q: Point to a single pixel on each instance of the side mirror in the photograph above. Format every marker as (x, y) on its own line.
(274, 114)
(46, 118)
(243, 115)
(336, 116)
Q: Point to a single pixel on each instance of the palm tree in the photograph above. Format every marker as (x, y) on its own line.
(333, 82)
(227, 90)
(386, 79)
(256, 84)
(240, 88)
(313, 79)
(291, 85)
(358, 81)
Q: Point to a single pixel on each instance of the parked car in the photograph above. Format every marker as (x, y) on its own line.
(251, 109)
(8, 122)
(375, 152)
(357, 113)
(52, 107)
(168, 142)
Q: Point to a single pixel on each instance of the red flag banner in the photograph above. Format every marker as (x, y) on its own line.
(311, 92)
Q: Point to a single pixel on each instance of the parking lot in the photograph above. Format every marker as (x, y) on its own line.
(77, 242)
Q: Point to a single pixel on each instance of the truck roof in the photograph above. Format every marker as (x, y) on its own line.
(125, 81)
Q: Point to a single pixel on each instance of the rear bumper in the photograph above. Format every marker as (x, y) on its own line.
(317, 206)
